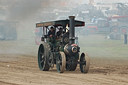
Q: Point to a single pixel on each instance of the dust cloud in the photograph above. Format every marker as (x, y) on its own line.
(25, 14)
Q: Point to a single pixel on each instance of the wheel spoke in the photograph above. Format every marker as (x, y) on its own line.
(43, 58)
(41, 61)
(58, 62)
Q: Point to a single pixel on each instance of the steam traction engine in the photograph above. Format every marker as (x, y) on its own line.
(63, 52)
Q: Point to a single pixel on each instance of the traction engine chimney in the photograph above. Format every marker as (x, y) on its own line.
(72, 29)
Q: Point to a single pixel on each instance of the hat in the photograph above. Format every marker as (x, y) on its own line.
(52, 28)
(60, 28)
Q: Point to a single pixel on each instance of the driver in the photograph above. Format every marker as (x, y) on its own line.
(51, 32)
(51, 35)
(59, 33)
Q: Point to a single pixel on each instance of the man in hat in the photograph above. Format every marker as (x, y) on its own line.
(59, 33)
(51, 32)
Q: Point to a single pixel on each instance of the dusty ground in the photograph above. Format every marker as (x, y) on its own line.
(18, 66)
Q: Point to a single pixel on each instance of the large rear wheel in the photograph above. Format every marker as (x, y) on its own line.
(42, 59)
(61, 62)
(84, 63)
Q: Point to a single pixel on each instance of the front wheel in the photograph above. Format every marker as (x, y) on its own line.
(61, 62)
(84, 63)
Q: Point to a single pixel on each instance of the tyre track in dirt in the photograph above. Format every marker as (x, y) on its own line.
(25, 71)
(6, 83)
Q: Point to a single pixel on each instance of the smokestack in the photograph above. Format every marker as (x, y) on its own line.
(72, 30)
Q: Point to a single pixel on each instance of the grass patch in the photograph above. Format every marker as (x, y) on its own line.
(98, 46)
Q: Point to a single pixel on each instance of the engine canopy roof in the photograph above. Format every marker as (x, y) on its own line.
(60, 23)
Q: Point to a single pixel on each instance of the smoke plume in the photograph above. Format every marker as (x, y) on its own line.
(22, 9)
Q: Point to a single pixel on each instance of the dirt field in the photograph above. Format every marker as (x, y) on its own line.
(18, 66)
